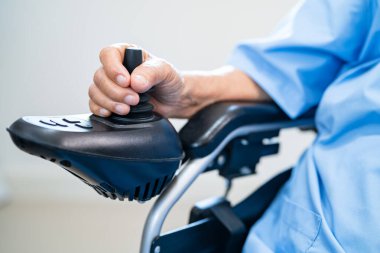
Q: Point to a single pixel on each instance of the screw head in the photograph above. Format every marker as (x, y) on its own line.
(245, 170)
(157, 249)
(244, 142)
(221, 160)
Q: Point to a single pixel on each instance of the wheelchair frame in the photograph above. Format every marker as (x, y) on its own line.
(192, 169)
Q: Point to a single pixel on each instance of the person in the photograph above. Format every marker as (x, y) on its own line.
(325, 53)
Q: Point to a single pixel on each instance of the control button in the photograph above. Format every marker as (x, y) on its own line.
(48, 123)
(71, 120)
(84, 125)
(58, 124)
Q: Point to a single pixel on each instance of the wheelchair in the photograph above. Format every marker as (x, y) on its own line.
(140, 156)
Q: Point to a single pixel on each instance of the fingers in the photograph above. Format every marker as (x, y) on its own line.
(113, 91)
(150, 73)
(99, 102)
(97, 110)
(111, 58)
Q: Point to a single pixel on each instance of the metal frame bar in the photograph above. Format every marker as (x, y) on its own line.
(190, 171)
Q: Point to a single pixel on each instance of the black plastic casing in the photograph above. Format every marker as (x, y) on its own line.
(133, 161)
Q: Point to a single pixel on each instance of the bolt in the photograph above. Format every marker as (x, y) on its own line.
(157, 249)
(244, 142)
(245, 170)
(221, 160)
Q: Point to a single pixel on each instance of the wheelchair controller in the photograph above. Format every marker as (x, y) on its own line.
(125, 157)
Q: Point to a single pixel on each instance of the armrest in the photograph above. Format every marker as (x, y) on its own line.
(210, 126)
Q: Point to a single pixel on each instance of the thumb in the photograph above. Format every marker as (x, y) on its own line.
(150, 73)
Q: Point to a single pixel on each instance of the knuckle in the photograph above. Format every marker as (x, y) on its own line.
(119, 96)
(96, 76)
(116, 95)
(99, 76)
(107, 103)
(161, 67)
(112, 106)
(151, 70)
(91, 91)
(112, 71)
(166, 66)
(104, 52)
(91, 105)
(146, 55)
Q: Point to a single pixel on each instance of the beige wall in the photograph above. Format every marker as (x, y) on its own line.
(48, 53)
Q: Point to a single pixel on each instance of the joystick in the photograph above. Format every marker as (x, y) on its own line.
(126, 157)
(143, 111)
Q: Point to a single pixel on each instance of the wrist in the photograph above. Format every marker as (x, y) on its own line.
(202, 88)
(225, 83)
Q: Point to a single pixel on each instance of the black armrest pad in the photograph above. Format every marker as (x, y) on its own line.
(207, 128)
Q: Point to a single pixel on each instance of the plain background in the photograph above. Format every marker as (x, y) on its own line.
(48, 54)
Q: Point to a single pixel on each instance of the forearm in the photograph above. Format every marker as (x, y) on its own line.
(227, 83)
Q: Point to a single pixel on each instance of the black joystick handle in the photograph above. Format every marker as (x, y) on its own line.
(143, 111)
(133, 57)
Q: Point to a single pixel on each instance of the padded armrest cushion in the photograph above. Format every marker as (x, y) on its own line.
(208, 127)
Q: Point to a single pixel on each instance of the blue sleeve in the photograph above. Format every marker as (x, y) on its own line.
(304, 55)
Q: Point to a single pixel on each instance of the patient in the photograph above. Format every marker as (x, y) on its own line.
(325, 53)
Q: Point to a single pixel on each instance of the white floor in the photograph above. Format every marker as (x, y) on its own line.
(93, 225)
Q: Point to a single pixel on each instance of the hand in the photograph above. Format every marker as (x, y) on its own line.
(115, 90)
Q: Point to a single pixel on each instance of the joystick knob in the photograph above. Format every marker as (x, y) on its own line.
(143, 111)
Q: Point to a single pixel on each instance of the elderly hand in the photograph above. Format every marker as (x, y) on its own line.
(175, 95)
(115, 90)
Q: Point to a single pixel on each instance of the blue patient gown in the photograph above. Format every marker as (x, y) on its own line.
(327, 53)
